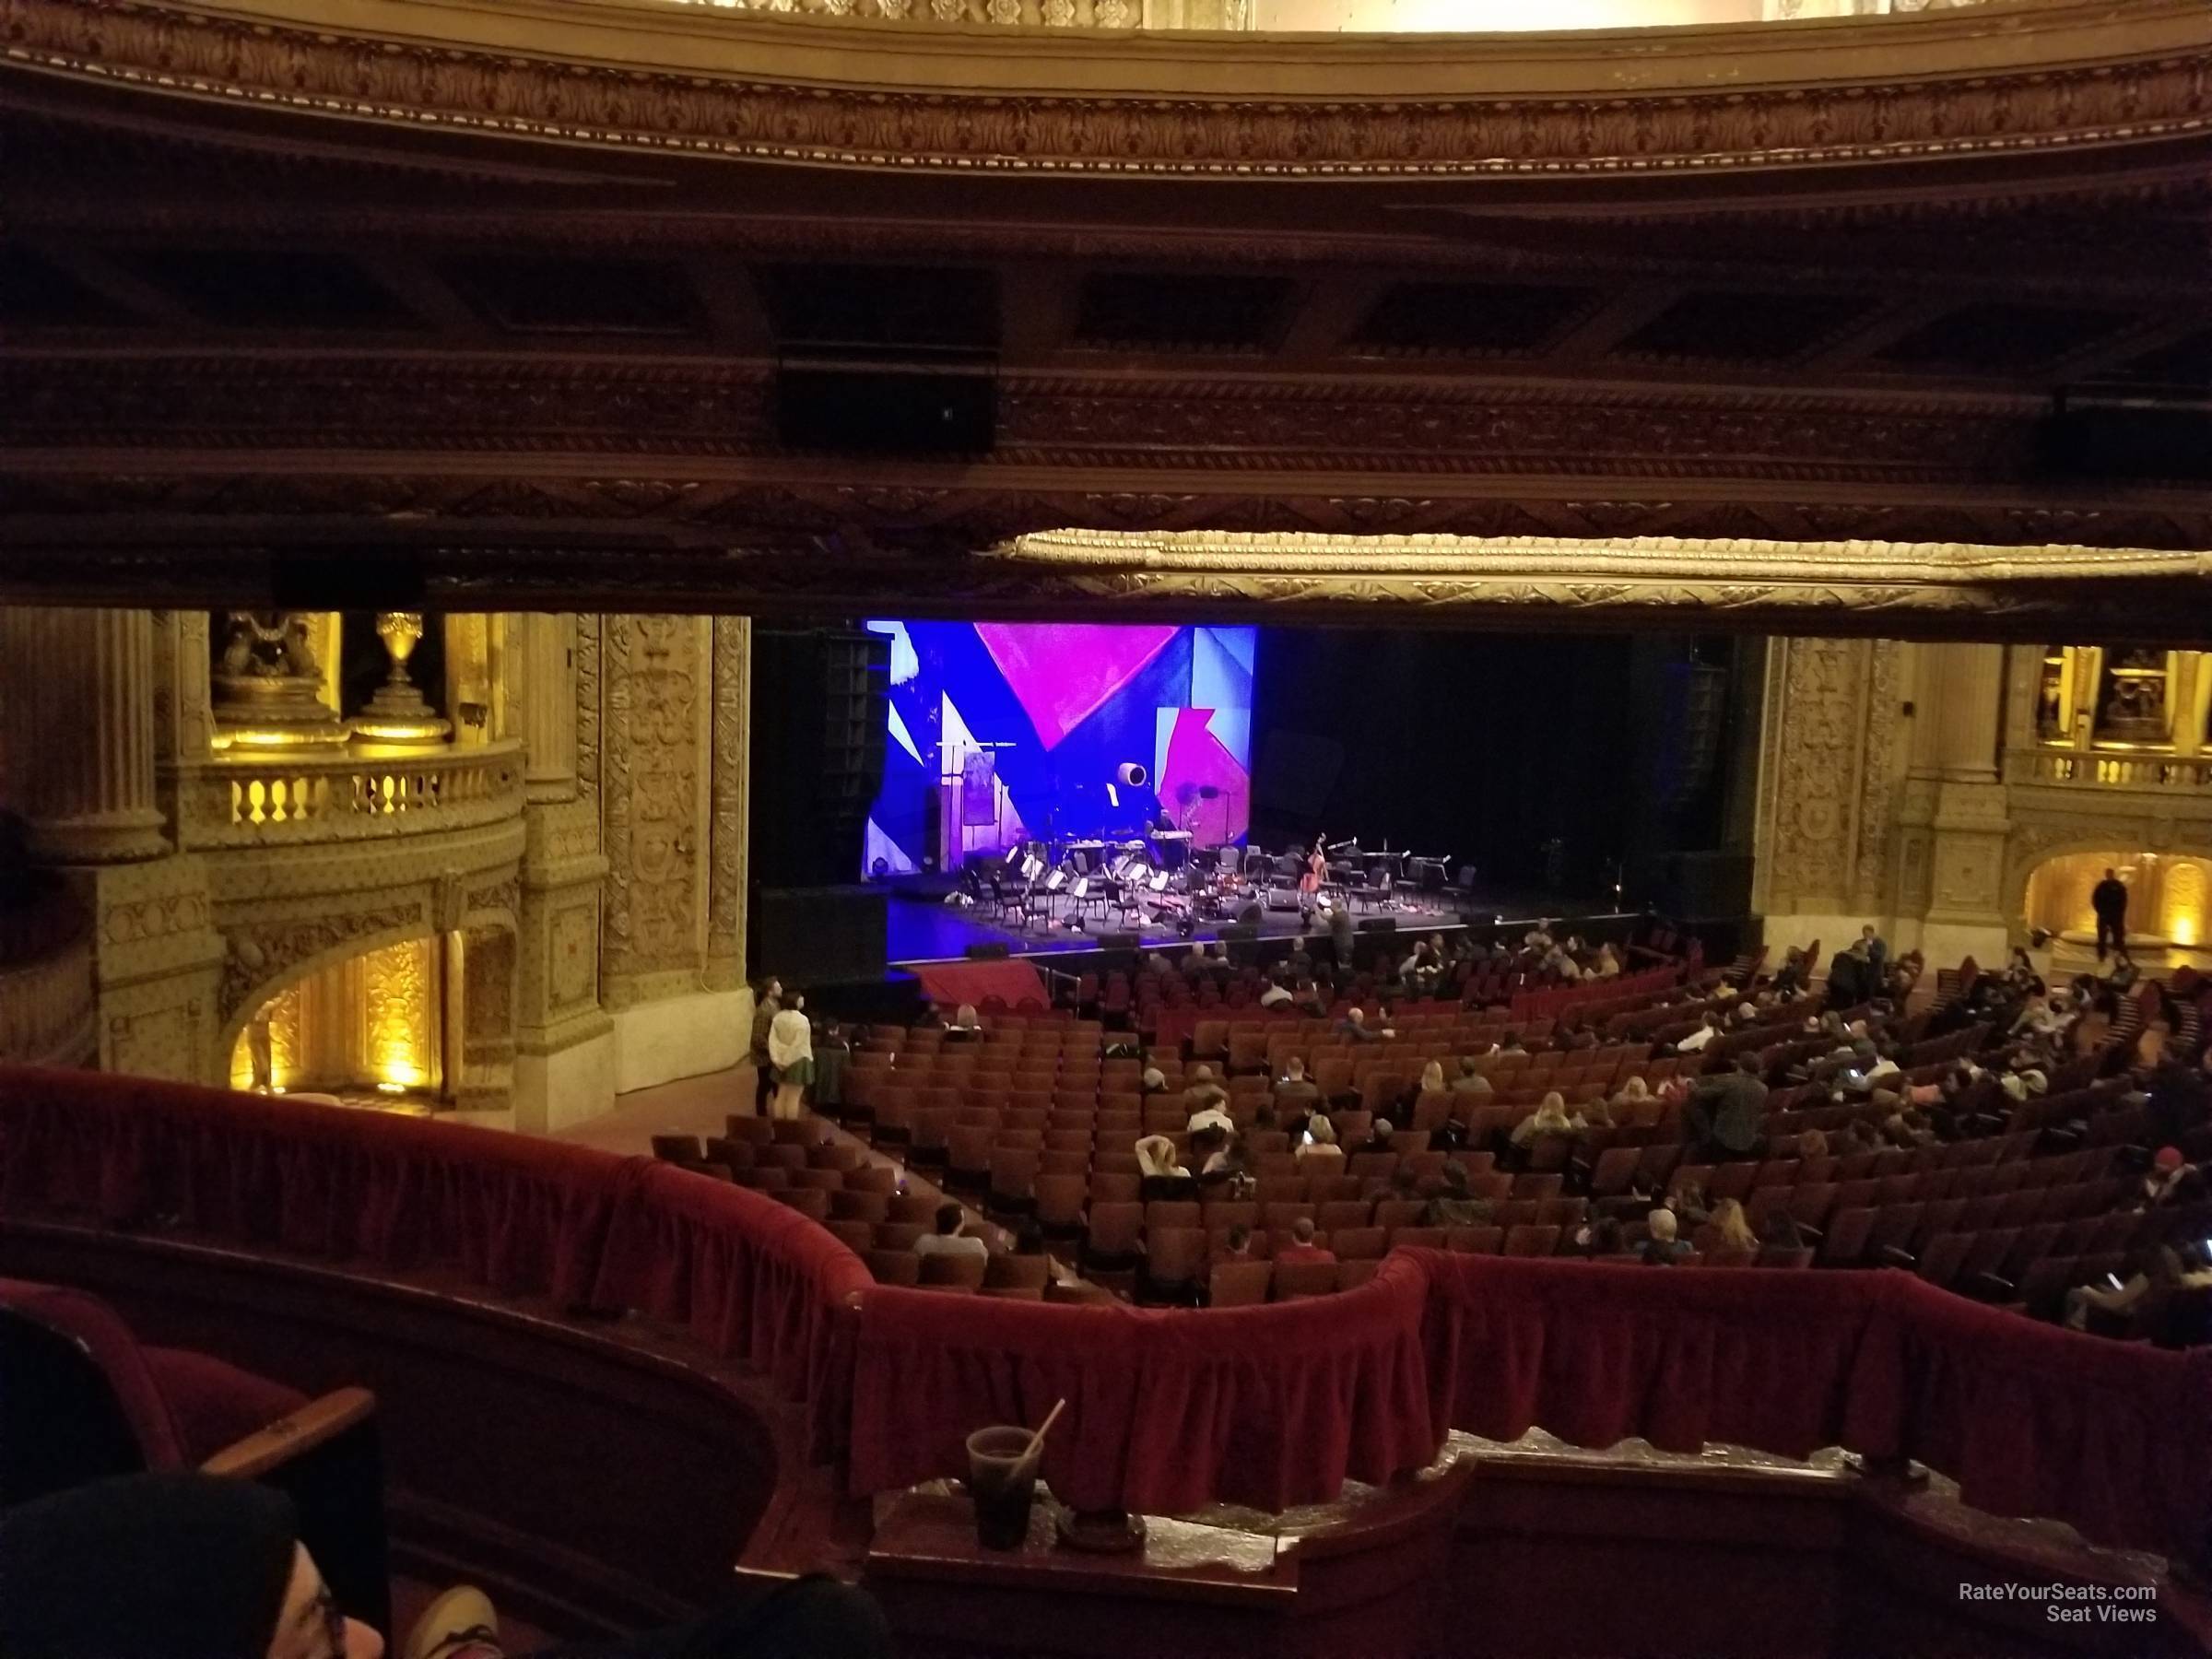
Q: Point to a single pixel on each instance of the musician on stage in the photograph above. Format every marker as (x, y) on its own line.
(1316, 871)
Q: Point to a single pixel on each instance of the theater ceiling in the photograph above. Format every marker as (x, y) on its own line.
(488, 303)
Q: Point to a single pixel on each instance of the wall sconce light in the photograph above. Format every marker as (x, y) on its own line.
(473, 716)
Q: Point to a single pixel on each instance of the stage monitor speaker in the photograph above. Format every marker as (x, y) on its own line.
(917, 409)
(1378, 925)
(1282, 899)
(994, 950)
(818, 935)
(1120, 941)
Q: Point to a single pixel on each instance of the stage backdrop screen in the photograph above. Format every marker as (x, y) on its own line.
(1009, 732)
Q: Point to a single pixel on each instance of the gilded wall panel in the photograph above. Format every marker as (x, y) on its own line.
(657, 670)
(728, 803)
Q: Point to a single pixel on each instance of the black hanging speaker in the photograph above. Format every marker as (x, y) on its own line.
(889, 408)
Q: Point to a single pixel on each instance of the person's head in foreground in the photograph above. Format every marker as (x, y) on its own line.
(170, 1566)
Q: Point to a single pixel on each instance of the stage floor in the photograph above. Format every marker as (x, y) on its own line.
(923, 928)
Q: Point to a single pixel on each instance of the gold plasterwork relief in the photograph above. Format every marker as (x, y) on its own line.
(656, 668)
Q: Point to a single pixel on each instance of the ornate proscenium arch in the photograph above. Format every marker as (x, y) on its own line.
(2014, 78)
(488, 299)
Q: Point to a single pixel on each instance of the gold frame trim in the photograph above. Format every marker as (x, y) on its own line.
(2014, 76)
(1632, 572)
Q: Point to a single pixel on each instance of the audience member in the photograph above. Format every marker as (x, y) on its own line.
(767, 1002)
(1353, 1026)
(1724, 1113)
(1708, 1027)
(1733, 1226)
(1471, 1079)
(1662, 1248)
(1550, 1118)
(1302, 1247)
(1454, 1205)
(965, 1026)
(790, 1057)
(948, 1239)
(1296, 1086)
(1159, 1169)
(1319, 1144)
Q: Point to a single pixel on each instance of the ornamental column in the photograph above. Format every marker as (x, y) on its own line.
(564, 1045)
(549, 700)
(81, 712)
(1962, 697)
(80, 733)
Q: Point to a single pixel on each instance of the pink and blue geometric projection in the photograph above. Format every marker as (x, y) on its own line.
(1059, 708)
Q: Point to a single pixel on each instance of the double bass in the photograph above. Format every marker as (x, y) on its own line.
(1317, 867)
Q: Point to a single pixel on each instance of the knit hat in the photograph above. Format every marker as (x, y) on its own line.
(145, 1567)
(2167, 1159)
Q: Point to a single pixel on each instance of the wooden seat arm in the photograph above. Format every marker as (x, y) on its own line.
(315, 1424)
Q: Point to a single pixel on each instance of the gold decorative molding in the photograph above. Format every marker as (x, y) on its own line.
(1666, 573)
(2014, 78)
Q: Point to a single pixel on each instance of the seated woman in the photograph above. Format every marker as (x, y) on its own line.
(1429, 1087)
(1631, 1098)
(1319, 1144)
(965, 1026)
(1160, 1171)
(1550, 1118)
(1732, 1227)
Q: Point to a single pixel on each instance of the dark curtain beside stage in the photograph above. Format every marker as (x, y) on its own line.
(1626, 750)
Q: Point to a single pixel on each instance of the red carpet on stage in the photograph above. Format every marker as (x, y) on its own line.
(1014, 982)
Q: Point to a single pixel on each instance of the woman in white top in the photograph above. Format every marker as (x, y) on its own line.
(791, 1053)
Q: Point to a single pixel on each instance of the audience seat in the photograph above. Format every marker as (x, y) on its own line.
(81, 1399)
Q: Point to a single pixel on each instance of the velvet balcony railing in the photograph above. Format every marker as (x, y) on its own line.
(1168, 1409)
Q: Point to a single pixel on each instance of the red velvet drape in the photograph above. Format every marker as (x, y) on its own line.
(1168, 1408)
(2029, 1420)
(751, 1277)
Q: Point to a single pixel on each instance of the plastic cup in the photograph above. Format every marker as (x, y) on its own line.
(1002, 1498)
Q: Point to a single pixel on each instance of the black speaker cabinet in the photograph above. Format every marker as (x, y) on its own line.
(818, 935)
(1282, 899)
(1378, 925)
(1120, 941)
(994, 950)
(887, 409)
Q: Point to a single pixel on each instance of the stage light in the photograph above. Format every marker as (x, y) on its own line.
(1131, 774)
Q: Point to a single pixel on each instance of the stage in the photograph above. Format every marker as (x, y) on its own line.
(921, 927)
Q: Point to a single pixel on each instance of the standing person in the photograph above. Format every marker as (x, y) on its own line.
(791, 1053)
(1340, 939)
(2109, 900)
(767, 1003)
(1310, 878)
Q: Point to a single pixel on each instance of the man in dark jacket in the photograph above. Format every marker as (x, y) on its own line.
(1723, 1112)
(2109, 900)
